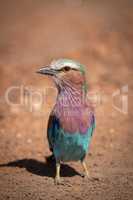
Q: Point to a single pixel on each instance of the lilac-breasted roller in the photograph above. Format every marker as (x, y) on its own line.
(72, 121)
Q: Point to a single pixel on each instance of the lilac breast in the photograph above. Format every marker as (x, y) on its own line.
(75, 119)
(73, 113)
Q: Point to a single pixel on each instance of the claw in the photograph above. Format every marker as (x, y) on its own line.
(57, 181)
(86, 176)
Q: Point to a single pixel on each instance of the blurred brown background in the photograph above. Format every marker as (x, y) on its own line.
(99, 34)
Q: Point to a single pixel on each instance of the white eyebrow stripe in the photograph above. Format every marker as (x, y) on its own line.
(59, 64)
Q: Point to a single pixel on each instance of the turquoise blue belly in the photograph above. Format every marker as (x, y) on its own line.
(71, 147)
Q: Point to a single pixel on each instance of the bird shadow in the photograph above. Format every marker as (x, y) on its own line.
(41, 168)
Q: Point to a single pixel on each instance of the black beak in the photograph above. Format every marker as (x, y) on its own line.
(47, 71)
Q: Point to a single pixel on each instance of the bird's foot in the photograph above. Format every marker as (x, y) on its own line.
(58, 181)
(86, 176)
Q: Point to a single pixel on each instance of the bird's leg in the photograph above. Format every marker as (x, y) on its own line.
(57, 177)
(85, 169)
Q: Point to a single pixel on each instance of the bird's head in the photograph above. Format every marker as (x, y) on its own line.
(66, 72)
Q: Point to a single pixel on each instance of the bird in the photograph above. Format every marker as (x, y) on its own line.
(72, 121)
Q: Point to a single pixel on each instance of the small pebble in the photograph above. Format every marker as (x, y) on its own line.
(18, 135)
(29, 141)
(111, 130)
(2, 130)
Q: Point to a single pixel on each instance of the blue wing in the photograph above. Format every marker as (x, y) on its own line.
(53, 126)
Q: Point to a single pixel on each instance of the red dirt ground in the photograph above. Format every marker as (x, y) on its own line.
(99, 35)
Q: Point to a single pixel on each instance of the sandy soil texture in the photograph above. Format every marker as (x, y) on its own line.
(99, 35)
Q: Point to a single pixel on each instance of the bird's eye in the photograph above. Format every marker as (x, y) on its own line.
(66, 68)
